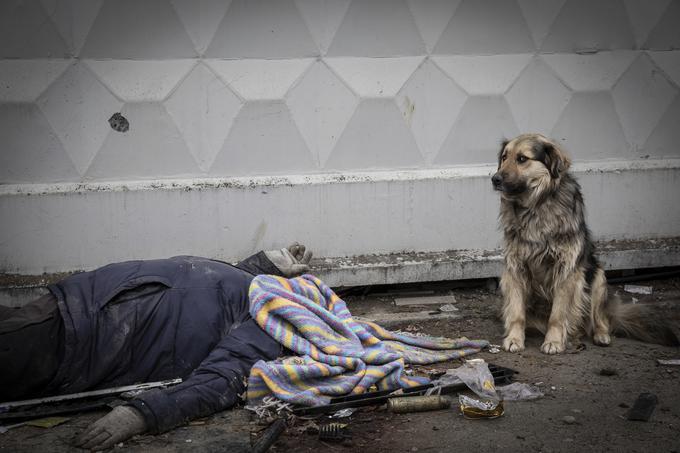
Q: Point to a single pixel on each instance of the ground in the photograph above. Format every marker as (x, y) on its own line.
(594, 402)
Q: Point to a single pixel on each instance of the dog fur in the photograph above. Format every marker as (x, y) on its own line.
(552, 280)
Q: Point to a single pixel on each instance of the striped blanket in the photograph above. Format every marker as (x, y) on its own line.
(336, 354)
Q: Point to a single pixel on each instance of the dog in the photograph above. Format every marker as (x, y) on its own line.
(552, 280)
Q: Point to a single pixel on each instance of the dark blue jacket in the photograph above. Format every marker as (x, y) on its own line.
(142, 321)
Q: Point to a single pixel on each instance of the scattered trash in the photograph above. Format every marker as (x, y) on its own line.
(418, 404)
(608, 372)
(643, 407)
(344, 413)
(569, 420)
(119, 123)
(270, 435)
(668, 362)
(638, 289)
(334, 432)
(494, 348)
(448, 308)
(473, 408)
(519, 391)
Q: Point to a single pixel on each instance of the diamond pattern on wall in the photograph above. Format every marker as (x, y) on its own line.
(597, 72)
(153, 145)
(499, 71)
(476, 136)
(374, 77)
(73, 19)
(430, 102)
(148, 29)
(260, 79)
(432, 17)
(669, 62)
(263, 140)
(137, 81)
(666, 34)
(369, 144)
(584, 25)
(590, 128)
(406, 83)
(262, 29)
(663, 142)
(77, 107)
(641, 97)
(27, 32)
(24, 80)
(321, 105)
(540, 15)
(201, 19)
(377, 28)
(323, 17)
(643, 15)
(486, 27)
(537, 98)
(203, 109)
(44, 161)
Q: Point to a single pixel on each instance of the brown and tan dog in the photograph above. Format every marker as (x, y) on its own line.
(552, 280)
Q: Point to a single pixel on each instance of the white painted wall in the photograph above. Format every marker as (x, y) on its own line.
(379, 119)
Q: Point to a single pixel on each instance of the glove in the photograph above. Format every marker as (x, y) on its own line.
(291, 261)
(118, 425)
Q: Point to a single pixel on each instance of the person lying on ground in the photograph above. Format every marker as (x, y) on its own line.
(139, 321)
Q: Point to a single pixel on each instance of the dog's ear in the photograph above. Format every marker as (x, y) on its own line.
(504, 143)
(555, 159)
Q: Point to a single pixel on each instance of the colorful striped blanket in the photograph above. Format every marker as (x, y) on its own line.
(337, 354)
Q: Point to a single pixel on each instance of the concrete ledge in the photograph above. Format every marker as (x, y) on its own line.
(461, 265)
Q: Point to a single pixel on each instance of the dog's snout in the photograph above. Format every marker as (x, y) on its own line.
(496, 179)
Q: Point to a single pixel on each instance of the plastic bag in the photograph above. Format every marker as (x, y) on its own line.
(519, 391)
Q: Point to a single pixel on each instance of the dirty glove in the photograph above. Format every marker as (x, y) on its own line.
(118, 425)
(291, 261)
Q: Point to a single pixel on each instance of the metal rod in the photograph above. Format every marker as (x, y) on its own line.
(91, 393)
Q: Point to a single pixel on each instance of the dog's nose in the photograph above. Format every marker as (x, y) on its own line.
(496, 179)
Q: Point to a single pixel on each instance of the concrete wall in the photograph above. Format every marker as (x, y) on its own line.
(358, 127)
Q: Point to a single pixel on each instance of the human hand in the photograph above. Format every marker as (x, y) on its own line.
(118, 425)
(291, 261)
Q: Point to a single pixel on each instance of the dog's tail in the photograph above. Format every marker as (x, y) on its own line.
(641, 322)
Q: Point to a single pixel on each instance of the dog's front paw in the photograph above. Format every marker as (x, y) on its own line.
(513, 344)
(602, 339)
(552, 347)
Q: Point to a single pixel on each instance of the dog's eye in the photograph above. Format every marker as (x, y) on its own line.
(505, 156)
(521, 159)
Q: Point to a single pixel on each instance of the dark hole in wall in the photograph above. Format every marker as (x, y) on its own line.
(119, 123)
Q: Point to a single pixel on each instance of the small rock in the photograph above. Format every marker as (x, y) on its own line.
(569, 419)
(576, 411)
(188, 441)
(414, 449)
(434, 428)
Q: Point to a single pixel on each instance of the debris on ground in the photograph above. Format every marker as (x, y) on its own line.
(519, 391)
(418, 404)
(334, 432)
(668, 362)
(569, 420)
(643, 407)
(448, 308)
(638, 289)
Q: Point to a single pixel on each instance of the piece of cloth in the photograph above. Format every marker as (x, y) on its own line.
(142, 321)
(31, 344)
(339, 354)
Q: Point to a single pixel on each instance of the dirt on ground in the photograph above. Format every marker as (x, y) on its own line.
(588, 393)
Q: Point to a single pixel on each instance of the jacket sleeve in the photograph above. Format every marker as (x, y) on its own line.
(214, 386)
(259, 264)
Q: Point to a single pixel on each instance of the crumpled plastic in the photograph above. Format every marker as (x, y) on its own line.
(519, 391)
